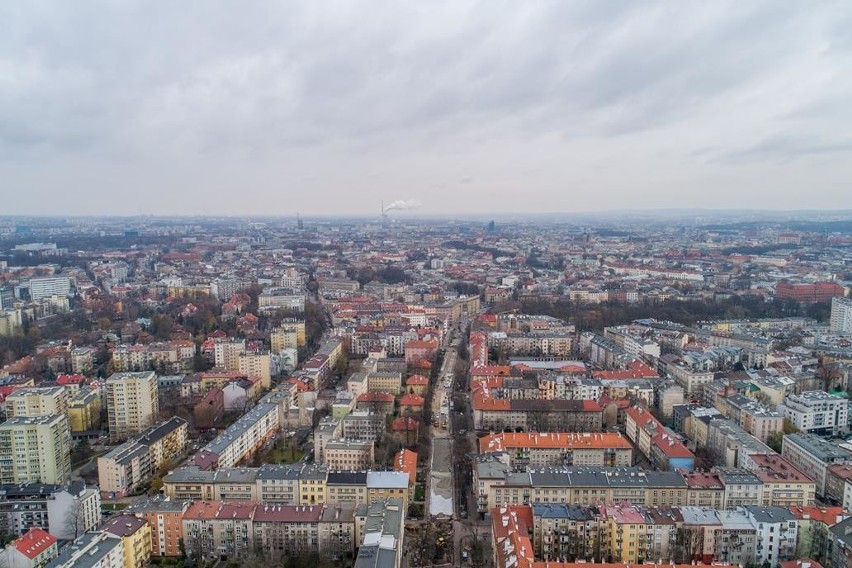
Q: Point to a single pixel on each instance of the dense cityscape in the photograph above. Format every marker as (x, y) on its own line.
(404, 391)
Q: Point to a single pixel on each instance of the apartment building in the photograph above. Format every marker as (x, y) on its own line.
(137, 461)
(289, 529)
(379, 530)
(777, 533)
(241, 439)
(384, 381)
(165, 518)
(41, 288)
(189, 483)
(655, 442)
(346, 487)
(742, 487)
(560, 449)
(226, 353)
(65, 511)
(135, 536)
(817, 412)
(587, 486)
(783, 484)
(328, 429)
(278, 484)
(94, 549)
(33, 549)
(35, 449)
(735, 539)
(561, 530)
(690, 379)
(838, 484)
(282, 338)
(168, 357)
(218, 529)
(349, 455)
(841, 315)
(731, 446)
(132, 401)
(274, 299)
(490, 413)
(704, 489)
(256, 364)
(213, 530)
(285, 485)
(377, 402)
(814, 455)
(84, 411)
(752, 416)
(37, 401)
(364, 425)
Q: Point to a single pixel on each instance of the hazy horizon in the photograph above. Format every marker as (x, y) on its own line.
(447, 109)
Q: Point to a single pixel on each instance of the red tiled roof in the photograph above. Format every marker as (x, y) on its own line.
(406, 461)
(567, 440)
(671, 447)
(287, 513)
(415, 380)
(376, 397)
(825, 515)
(70, 379)
(490, 371)
(405, 424)
(411, 400)
(34, 542)
(210, 510)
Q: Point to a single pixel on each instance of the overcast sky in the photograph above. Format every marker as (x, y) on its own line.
(204, 107)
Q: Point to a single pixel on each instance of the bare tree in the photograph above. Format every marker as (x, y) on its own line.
(74, 520)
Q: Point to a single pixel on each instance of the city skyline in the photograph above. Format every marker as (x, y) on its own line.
(462, 107)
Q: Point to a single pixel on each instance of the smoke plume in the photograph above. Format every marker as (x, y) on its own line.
(403, 204)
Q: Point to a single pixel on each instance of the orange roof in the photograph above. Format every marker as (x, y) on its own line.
(567, 440)
(702, 480)
(429, 344)
(641, 416)
(640, 367)
(405, 424)
(70, 379)
(671, 447)
(825, 515)
(34, 542)
(510, 526)
(801, 563)
(376, 397)
(616, 375)
(209, 510)
(483, 401)
(490, 370)
(775, 469)
(414, 380)
(488, 383)
(411, 400)
(406, 461)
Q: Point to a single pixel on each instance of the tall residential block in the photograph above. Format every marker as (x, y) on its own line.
(51, 286)
(132, 403)
(841, 315)
(35, 449)
(256, 364)
(37, 401)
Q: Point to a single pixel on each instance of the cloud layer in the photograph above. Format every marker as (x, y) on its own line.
(330, 107)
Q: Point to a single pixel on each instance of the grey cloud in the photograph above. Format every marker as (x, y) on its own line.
(135, 82)
(788, 147)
